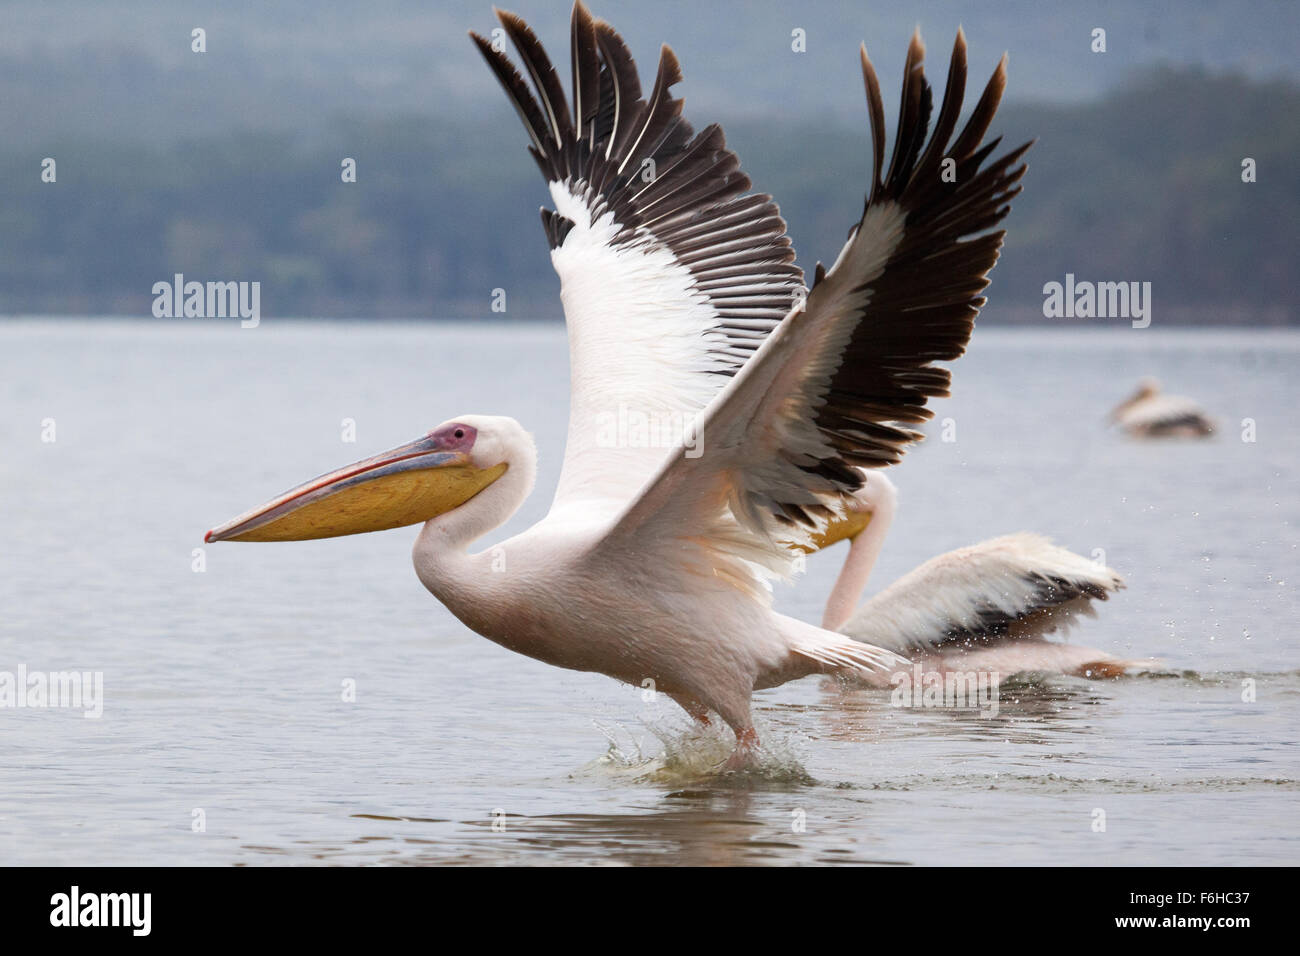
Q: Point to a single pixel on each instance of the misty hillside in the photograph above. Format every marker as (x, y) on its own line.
(125, 68)
(226, 165)
(1144, 185)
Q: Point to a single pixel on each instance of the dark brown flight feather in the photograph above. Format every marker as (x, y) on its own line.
(921, 309)
(994, 622)
(697, 202)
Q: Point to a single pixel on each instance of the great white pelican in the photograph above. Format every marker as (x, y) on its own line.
(1151, 413)
(683, 303)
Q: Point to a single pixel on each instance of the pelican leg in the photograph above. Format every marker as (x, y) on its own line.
(745, 756)
(734, 710)
(695, 707)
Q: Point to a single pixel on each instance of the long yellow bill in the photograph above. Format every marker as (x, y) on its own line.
(407, 485)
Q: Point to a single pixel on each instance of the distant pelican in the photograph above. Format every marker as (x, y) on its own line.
(682, 300)
(1150, 414)
(985, 607)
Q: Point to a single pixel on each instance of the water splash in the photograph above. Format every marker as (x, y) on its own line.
(689, 753)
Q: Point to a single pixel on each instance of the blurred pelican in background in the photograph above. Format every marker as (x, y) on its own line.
(1149, 413)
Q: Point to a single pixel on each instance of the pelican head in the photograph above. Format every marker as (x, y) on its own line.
(409, 484)
(1148, 387)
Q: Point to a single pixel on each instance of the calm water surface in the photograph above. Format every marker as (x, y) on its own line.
(223, 689)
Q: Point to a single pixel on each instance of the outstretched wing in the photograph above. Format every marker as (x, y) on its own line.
(836, 384)
(671, 272)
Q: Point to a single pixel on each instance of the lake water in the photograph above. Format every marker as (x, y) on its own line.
(225, 738)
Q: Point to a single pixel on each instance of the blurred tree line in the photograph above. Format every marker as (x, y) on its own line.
(1145, 185)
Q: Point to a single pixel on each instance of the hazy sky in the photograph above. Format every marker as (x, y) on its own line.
(85, 64)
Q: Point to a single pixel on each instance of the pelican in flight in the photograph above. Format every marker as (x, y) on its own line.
(1149, 413)
(682, 301)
